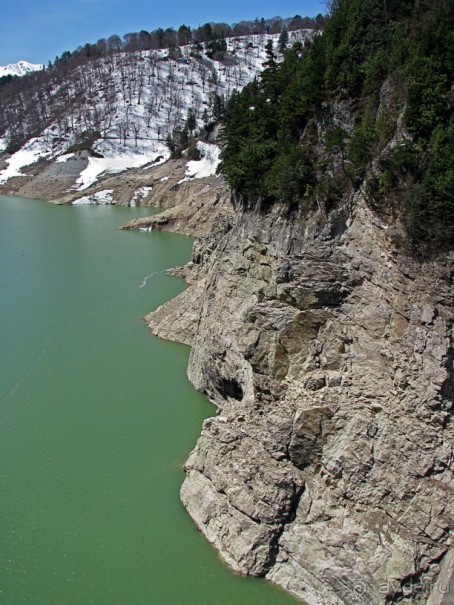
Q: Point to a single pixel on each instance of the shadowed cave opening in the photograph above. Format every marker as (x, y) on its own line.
(231, 388)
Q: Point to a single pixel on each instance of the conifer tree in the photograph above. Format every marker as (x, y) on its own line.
(283, 41)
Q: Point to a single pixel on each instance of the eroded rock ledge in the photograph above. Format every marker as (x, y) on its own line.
(328, 355)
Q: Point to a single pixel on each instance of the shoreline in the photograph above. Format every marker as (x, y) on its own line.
(261, 474)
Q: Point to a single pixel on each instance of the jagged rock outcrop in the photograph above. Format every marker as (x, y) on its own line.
(328, 354)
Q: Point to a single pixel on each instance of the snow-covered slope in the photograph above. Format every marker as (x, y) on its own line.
(19, 69)
(127, 104)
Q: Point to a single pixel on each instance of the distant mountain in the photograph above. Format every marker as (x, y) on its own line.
(19, 69)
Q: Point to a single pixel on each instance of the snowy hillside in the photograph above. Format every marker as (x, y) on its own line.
(19, 69)
(121, 108)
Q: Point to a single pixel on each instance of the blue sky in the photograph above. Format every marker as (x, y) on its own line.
(38, 30)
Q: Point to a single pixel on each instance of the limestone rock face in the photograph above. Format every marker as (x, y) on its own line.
(328, 355)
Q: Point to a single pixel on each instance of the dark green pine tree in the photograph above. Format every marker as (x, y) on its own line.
(283, 41)
(281, 145)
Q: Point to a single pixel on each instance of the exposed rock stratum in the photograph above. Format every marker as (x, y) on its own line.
(328, 354)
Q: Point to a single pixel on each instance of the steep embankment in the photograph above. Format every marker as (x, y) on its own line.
(327, 468)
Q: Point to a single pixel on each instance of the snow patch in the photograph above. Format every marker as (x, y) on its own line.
(139, 195)
(118, 158)
(30, 153)
(3, 143)
(99, 198)
(206, 166)
(98, 166)
(65, 158)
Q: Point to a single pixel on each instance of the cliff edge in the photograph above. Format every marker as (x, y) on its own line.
(328, 354)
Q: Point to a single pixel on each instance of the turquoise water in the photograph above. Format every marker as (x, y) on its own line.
(96, 419)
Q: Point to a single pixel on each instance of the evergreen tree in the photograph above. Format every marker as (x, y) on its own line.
(281, 146)
(283, 41)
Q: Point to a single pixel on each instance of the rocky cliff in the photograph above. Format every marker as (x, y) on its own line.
(328, 354)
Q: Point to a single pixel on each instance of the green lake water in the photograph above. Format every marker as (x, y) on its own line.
(96, 419)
